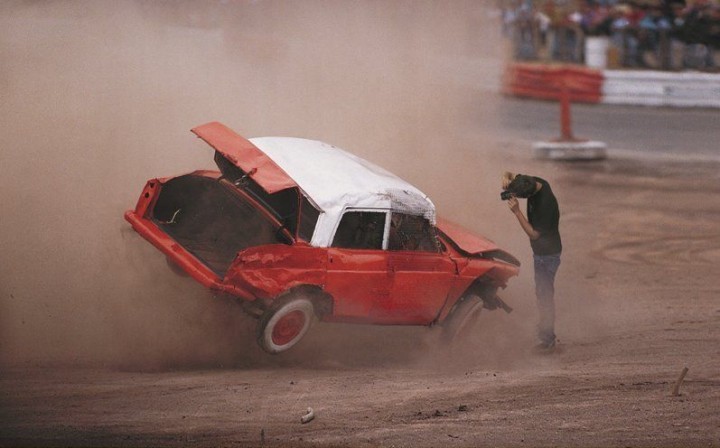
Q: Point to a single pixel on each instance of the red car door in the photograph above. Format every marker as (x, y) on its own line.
(357, 267)
(357, 279)
(420, 283)
(421, 272)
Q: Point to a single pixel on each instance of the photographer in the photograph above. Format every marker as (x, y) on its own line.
(541, 226)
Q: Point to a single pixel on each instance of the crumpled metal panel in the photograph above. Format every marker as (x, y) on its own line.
(266, 271)
(466, 240)
(412, 203)
(246, 156)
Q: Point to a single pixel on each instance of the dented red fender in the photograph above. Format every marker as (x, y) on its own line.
(469, 270)
(465, 239)
(269, 270)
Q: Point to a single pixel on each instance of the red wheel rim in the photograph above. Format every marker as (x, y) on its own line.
(288, 327)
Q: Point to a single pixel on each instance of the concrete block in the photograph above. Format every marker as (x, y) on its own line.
(570, 150)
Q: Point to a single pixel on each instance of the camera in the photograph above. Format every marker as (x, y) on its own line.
(505, 195)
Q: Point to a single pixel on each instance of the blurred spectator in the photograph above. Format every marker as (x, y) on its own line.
(567, 34)
(595, 19)
(520, 26)
(651, 28)
(656, 34)
(622, 37)
(701, 32)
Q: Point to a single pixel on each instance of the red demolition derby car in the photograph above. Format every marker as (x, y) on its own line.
(300, 230)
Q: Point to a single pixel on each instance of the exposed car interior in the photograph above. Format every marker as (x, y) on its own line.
(283, 204)
(360, 230)
(212, 221)
(366, 230)
(412, 232)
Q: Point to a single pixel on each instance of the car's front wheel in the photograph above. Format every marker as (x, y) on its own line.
(462, 318)
(285, 323)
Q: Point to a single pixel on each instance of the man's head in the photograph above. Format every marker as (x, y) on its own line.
(523, 186)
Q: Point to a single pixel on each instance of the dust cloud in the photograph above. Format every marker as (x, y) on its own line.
(99, 96)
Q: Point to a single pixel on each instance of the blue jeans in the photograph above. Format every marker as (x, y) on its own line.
(546, 267)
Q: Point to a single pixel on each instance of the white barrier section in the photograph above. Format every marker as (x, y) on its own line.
(651, 88)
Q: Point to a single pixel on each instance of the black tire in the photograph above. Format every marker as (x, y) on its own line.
(462, 317)
(285, 323)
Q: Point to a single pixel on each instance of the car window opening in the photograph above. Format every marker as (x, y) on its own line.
(360, 230)
(308, 219)
(365, 230)
(412, 233)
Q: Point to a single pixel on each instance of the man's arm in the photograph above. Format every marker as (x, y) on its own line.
(524, 223)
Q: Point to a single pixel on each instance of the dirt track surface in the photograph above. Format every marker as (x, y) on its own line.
(101, 345)
(637, 302)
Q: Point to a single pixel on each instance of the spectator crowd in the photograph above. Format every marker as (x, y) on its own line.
(655, 34)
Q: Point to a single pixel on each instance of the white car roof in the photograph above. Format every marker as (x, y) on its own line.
(335, 180)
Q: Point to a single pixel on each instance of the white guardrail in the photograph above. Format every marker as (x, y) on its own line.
(650, 88)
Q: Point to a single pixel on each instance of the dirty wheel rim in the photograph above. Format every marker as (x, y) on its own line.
(288, 327)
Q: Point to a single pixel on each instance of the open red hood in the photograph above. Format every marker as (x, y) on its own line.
(246, 156)
(465, 239)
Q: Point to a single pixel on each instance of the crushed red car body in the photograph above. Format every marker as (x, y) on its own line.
(301, 231)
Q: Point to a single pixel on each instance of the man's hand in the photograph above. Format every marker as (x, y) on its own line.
(513, 204)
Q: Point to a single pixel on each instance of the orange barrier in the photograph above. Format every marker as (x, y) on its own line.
(547, 82)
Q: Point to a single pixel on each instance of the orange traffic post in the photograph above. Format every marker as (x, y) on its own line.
(567, 147)
(565, 122)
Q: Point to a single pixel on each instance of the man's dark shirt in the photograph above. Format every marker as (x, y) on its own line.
(544, 215)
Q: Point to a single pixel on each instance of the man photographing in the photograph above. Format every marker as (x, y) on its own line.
(541, 226)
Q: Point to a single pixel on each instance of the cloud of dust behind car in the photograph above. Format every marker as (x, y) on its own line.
(99, 97)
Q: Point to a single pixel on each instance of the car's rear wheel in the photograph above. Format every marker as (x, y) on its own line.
(462, 318)
(285, 323)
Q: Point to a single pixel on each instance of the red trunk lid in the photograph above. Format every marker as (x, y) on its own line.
(246, 156)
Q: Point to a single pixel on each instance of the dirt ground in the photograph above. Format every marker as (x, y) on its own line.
(101, 345)
(637, 302)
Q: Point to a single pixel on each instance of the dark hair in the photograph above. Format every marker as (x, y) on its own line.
(522, 186)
